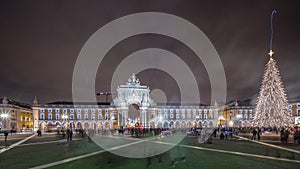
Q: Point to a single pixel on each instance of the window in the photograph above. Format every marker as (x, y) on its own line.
(183, 116)
(42, 116)
(65, 111)
(205, 116)
(50, 110)
(189, 116)
(99, 116)
(171, 116)
(42, 110)
(79, 116)
(86, 116)
(93, 116)
(210, 116)
(245, 116)
(165, 116)
(57, 110)
(177, 116)
(57, 116)
(298, 112)
(99, 110)
(106, 110)
(72, 110)
(86, 110)
(106, 116)
(71, 116)
(78, 110)
(49, 116)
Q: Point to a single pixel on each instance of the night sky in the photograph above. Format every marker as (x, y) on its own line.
(41, 40)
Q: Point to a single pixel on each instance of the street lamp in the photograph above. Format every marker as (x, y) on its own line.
(238, 117)
(4, 116)
(197, 121)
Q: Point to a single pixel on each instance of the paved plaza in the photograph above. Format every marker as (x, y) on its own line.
(53, 151)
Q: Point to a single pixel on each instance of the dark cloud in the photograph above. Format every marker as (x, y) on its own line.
(40, 41)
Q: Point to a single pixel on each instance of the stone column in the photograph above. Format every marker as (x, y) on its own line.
(35, 111)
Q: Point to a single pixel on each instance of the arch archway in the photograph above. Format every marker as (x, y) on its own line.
(134, 112)
(152, 124)
(79, 125)
(72, 125)
(205, 124)
(159, 124)
(177, 124)
(211, 124)
(171, 125)
(99, 125)
(106, 125)
(166, 124)
(86, 125)
(43, 126)
(183, 124)
(189, 124)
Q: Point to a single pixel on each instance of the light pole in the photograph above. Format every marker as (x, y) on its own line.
(65, 118)
(4, 116)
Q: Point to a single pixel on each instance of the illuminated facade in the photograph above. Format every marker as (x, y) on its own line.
(15, 115)
(131, 106)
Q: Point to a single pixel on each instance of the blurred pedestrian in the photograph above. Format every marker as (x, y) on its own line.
(5, 137)
(254, 132)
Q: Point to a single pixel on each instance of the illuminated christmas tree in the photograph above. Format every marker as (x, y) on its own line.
(272, 105)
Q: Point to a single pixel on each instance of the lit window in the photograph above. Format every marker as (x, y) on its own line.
(42, 116)
(72, 117)
(165, 116)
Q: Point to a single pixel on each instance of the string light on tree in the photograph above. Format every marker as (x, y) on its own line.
(272, 105)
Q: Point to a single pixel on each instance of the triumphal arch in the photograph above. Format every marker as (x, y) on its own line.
(132, 103)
